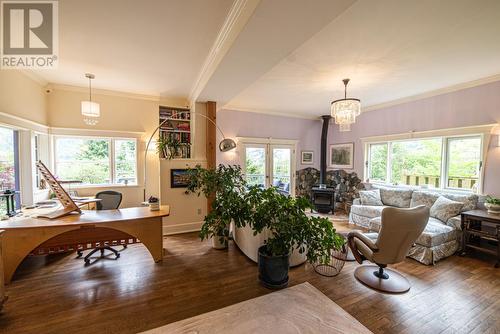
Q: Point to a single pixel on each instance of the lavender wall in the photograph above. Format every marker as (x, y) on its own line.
(473, 106)
(247, 124)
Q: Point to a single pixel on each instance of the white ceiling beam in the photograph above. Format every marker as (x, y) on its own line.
(237, 18)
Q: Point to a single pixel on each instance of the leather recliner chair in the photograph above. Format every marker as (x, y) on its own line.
(399, 230)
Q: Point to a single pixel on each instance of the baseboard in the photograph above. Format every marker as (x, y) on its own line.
(182, 228)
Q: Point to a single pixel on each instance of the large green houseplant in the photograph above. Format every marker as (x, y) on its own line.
(290, 228)
(224, 187)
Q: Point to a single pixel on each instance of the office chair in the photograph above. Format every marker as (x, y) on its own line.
(110, 200)
(399, 231)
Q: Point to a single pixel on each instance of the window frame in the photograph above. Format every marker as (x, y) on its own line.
(111, 158)
(445, 159)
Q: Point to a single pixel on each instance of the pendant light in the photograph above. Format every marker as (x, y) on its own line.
(345, 110)
(90, 110)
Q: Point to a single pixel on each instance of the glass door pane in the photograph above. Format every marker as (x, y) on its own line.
(255, 165)
(282, 169)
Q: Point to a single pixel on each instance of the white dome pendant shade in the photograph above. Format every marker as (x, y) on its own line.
(91, 111)
(345, 110)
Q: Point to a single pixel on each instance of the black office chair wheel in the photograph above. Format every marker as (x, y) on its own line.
(117, 255)
(87, 261)
(79, 254)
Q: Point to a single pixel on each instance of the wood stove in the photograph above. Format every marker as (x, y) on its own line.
(323, 197)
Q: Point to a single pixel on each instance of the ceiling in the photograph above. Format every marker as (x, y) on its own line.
(286, 56)
(152, 47)
(390, 49)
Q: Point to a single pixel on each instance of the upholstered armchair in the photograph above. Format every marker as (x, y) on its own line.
(399, 230)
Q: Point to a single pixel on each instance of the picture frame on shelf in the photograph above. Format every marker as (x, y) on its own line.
(307, 157)
(342, 156)
(179, 178)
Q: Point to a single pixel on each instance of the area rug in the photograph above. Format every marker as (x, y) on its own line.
(299, 309)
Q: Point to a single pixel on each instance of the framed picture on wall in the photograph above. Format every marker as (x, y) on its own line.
(342, 156)
(307, 158)
(179, 178)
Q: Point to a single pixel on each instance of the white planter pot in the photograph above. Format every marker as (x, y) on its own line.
(249, 244)
(492, 208)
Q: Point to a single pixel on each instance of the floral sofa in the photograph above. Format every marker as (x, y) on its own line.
(442, 235)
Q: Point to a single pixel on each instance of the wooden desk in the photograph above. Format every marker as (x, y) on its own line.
(24, 236)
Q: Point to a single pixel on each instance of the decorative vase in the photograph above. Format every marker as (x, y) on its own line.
(273, 270)
(219, 242)
(493, 208)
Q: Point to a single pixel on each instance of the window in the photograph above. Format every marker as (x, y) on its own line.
(416, 162)
(442, 162)
(378, 162)
(96, 161)
(464, 162)
(9, 163)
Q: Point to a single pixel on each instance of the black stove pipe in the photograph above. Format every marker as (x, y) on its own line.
(324, 139)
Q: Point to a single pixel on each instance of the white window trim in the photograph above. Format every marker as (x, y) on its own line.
(111, 151)
(482, 131)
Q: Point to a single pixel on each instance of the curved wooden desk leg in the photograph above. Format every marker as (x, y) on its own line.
(149, 231)
(18, 243)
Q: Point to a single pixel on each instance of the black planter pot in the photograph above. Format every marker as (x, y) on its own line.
(273, 270)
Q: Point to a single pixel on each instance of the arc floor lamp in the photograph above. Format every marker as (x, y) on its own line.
(226, 144)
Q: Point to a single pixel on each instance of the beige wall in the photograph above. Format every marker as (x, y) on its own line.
(121, 115)
(22, 97)
(190, 210)
(138, 116)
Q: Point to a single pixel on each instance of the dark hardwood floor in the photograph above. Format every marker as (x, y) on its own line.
(57, 294)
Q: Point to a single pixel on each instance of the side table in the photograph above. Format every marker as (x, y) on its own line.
(481, 231)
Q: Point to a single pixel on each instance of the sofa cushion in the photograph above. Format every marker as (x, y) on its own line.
(369, 211)
(423, 198)
(397, 197)
(444, 209)
(435, 232)
(469, 200)
(370, 197)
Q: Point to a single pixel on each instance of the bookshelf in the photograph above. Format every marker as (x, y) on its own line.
(178, 128)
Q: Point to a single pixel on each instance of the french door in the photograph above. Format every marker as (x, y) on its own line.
(270, 164)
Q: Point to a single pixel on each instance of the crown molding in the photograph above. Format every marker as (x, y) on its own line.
(271, 112)
(441, 91)
(459, 131)
(78, 89)
(239, 14)
(35, 77)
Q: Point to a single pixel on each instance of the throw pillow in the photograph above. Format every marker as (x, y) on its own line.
(397, 197)
(423, 198)
(370, 197)
(469, 200)
(444, 209)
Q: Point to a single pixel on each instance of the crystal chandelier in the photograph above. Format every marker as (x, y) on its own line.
(90, 110)
(345, 110)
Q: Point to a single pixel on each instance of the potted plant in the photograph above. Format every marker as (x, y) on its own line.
(285, 217)
(154, 203)
(168, 147)
(492, 204)
(223, 187)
